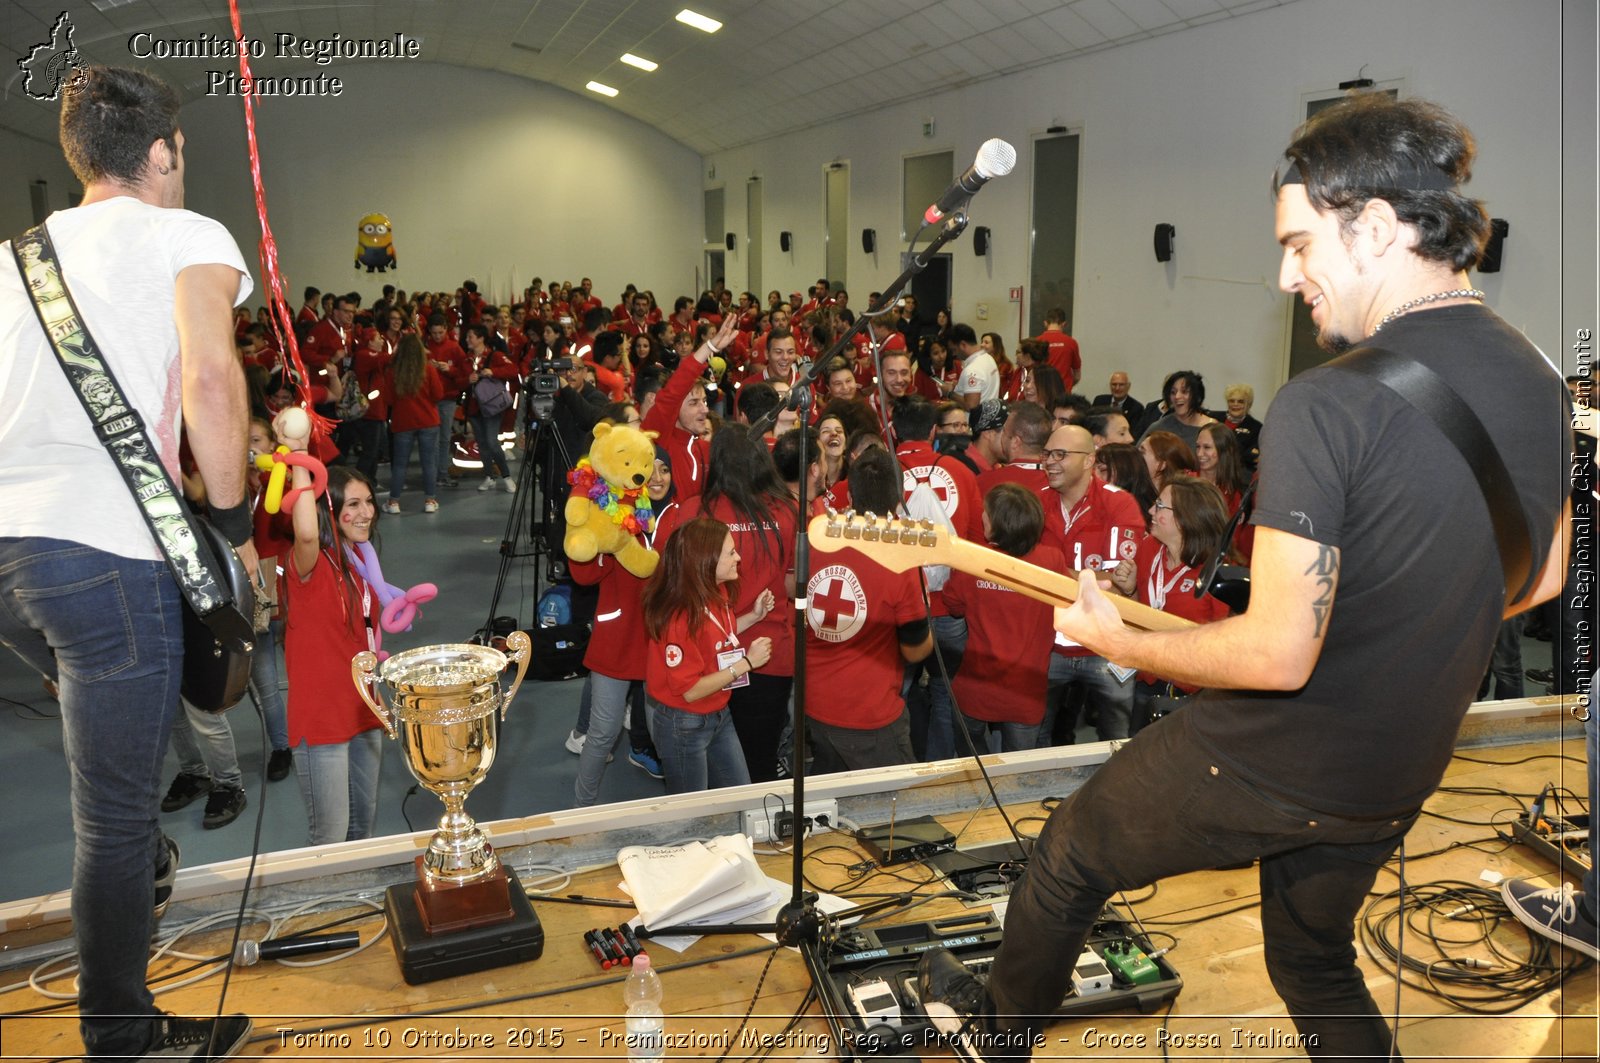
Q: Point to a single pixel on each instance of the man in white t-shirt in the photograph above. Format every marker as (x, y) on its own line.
(980, 377)
(156, 286)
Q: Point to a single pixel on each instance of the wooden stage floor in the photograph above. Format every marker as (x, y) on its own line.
(563, 1006)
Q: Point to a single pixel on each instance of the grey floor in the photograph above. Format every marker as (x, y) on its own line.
(459, 549)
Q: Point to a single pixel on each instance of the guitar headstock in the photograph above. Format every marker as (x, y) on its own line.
(896, 543)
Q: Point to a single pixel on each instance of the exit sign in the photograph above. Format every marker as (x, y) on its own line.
(1016, 295)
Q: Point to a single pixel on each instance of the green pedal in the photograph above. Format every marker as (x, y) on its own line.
(1128, 960)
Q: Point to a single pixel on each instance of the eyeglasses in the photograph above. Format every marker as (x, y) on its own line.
(1158, 505)
(955, 424)
(1059, 456)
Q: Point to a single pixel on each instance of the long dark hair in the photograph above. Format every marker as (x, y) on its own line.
(1230, 461)
(410, 365)
(1125, 468)
(1201, 515)
(331, 539)
(1048, 385)
(741, 471)
(686, 580)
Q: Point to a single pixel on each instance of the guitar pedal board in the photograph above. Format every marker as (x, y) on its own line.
(866, 977)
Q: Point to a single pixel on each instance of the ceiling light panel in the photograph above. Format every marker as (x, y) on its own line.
(698, 21)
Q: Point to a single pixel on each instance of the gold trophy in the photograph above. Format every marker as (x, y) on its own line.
(466, 911)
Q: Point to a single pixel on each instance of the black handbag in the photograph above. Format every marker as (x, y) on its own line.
(218, 598)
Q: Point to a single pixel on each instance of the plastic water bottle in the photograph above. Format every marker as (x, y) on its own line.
(641, 996)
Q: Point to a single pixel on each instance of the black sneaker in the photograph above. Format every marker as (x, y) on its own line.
(1552, 912)
(195, 1038)
(166, 875)
(184, 789)
(953, 999)
(280, 764)
(223, 806)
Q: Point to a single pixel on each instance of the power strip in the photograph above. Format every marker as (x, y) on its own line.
(775, 822)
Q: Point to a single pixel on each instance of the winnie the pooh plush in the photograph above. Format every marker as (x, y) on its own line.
(609, 507)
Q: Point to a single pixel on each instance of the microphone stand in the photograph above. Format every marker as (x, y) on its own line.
(799, 923)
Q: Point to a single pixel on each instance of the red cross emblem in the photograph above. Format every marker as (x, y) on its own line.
(833, 604)
(838, 606)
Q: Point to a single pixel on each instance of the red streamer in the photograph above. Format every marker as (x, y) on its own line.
(278, 305)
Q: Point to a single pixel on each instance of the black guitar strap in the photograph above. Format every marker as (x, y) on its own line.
(1428, 393)
(121, 431)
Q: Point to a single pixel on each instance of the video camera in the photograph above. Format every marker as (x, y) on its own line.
(543, 384)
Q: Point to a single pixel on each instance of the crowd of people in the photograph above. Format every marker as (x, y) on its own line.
(1012, 453)
(916, 405)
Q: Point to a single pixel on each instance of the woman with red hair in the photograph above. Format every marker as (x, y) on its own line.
(695, 656)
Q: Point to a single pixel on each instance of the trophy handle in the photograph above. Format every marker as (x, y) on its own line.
(362, 666)
(521, 647)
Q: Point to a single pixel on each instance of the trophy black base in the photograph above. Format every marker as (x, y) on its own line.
(428, 957)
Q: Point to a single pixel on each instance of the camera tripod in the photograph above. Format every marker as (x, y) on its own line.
(536, 508)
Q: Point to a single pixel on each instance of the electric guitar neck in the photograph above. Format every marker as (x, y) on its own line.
(901, 545)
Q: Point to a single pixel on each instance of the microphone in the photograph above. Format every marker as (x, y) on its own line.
(249, 953)
(995, 158)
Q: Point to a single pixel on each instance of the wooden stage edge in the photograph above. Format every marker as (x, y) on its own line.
(564, 1006)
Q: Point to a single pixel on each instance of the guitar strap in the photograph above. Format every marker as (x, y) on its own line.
(121, 431)
(1429, 394)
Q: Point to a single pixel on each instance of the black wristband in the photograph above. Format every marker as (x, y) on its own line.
(236, 523)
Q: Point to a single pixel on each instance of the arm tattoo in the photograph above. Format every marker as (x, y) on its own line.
(1326, 569)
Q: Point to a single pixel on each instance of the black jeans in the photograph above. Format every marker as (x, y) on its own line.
(1161, 806)
(759, 711)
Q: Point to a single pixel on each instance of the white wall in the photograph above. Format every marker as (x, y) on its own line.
(28, 160)
(483, 175)
(1185, 129)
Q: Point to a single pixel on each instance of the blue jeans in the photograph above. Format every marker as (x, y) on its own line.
(697, 750)
(427, 442)
(1112, 696)
(340, 785)
(608, 708)
(933, 732)
(1013, 736)
(1162, 807)
(117, 631)
(447, 428)
(203, 742)
(487, 431)
(264, 688)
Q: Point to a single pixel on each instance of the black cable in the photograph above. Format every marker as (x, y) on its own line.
(1512, 763)
(1450, 917)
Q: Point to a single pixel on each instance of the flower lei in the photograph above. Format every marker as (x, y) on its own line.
(629, 510)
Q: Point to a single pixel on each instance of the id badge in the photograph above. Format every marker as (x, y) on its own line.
(725, 659)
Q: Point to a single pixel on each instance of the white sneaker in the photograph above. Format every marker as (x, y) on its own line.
(391, 506)
(511, 488)
(430, 506)
(487, 485)
(574, 743)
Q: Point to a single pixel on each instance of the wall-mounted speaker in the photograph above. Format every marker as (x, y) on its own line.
(869, 240)
(730, 241)
(980, 240)
(785, 240)
(1492, 250)
(1166, 233)
(39, 194)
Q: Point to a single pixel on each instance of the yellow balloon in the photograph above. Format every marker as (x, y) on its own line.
(280, 472)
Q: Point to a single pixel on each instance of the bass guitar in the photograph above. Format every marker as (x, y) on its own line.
(900, 545)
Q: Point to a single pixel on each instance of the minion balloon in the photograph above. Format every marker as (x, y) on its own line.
(375, 243)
